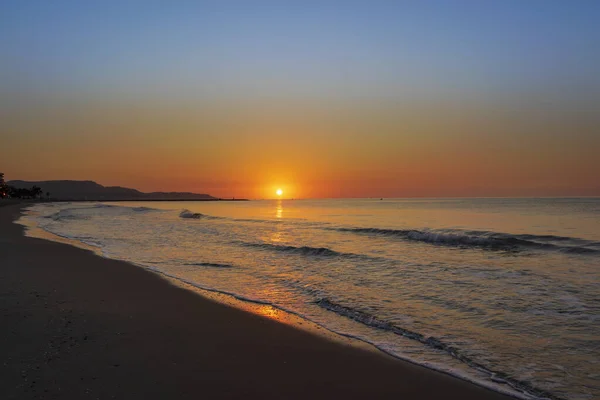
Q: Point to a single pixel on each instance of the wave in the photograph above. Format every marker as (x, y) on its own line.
(211, 265)
(484, 239)
(71, 213)
(65, 215)
(136, 209)
(144, 209)
(100, 205)
(187, 214)
(193, 215)
(116, 207)
(303, 250)
(432, 342)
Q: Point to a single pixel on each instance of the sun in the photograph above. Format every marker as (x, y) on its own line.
(279, 192)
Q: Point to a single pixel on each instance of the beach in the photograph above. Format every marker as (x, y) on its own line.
(76, 325)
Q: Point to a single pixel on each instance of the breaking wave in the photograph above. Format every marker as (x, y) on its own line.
(484, 239)
(303, 250)
(192, 215)
(430, 341)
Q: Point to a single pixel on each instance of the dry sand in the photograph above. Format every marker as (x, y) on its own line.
(78, 326)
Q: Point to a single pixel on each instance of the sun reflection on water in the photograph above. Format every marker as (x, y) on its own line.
(279, 209)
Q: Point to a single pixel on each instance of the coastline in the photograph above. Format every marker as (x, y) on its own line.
(82, 326)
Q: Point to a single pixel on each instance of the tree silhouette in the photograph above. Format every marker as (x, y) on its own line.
(19, 193)
(36, 192)
(3, 187)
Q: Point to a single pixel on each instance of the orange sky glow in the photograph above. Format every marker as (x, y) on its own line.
(390, 150)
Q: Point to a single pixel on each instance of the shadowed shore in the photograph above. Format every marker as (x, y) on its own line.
(79, 326)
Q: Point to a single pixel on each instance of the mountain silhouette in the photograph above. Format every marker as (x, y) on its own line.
(90, 190)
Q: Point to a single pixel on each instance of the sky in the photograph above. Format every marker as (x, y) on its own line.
(319, 98)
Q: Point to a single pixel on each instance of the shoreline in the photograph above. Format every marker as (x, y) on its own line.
(84, 326)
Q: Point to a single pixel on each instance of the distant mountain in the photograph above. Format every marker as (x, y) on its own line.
(89, 190)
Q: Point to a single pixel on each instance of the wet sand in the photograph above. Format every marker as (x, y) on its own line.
(78, 326)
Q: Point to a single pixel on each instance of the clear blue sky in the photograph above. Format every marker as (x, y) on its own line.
(302, 47)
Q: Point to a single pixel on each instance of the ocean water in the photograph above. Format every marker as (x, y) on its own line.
(502, 292)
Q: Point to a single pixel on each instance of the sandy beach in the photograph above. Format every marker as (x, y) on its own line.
(78, 326)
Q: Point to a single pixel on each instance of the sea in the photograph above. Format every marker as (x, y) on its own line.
(501, 292)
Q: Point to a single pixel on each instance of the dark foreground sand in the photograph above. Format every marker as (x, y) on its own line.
(77, 326)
